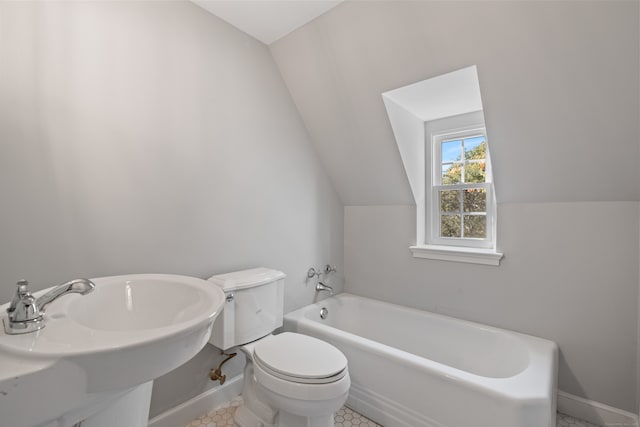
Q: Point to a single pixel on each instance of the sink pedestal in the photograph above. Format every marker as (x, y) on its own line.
(130, 410)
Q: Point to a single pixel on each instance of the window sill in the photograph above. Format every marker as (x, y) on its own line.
(458, 254)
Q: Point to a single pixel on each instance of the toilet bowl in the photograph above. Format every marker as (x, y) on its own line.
(303, 380)
(290, 379)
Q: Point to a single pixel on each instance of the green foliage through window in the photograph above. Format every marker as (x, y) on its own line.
(463, 210)
(473, 165)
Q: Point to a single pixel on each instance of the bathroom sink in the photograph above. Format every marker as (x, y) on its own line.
(128, 331)
(143, 303)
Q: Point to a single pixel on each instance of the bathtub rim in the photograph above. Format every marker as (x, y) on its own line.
(543, 354)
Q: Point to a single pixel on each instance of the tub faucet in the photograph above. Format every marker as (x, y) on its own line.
(322, 287)
(25, 313)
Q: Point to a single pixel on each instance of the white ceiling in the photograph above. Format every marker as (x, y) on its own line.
(446, 95)
(267, 20)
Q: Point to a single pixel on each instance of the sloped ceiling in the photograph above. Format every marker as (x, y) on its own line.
(410, 108)
(267, 20)
(558, 80)
(447, 95)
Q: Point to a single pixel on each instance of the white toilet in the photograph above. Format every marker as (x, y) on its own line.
(290, 380)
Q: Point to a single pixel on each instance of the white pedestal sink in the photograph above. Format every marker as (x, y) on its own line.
(99, 352)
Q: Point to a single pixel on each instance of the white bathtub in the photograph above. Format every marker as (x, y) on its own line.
(413, 368)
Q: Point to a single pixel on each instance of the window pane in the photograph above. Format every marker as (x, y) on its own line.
(450, 200)
(451, 173)
(475, 148)
(475, 226)
(474, 172)
(475, 200)
(450, 226)
(451, 151)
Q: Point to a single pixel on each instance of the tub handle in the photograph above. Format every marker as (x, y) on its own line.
(312, 272)
(329, 269)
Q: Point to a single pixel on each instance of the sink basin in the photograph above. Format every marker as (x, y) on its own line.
(95, 347)
(134, 305)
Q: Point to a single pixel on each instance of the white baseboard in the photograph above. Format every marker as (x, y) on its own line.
(595, 412)
(199, 405)
(578, 407)
(384, 411)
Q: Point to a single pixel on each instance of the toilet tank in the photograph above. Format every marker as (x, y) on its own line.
(253, 308)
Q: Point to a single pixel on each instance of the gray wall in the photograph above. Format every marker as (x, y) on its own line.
(153, 137)
(559, 83)
(569, 274)
(638, 335)
(560, 86)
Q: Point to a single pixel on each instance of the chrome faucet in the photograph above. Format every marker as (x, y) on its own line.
(322, 287)
(25, 313)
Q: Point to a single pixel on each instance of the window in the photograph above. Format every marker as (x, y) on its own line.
(462, 208)
(439, 127)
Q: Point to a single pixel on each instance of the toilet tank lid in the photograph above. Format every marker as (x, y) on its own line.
(246, 278)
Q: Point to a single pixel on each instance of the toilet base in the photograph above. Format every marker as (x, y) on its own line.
(244, 417)
(286, 419)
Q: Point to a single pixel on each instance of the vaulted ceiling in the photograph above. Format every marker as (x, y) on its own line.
(267, 20)
(558, 80)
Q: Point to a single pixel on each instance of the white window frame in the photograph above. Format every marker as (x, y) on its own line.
(428, 245)
(434, 210)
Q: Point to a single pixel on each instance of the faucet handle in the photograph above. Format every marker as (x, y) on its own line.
(23, 312)
(312, 272)
(21, 292)
(329, 269)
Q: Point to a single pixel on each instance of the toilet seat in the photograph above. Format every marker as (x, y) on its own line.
(300, 359)
(299, 380)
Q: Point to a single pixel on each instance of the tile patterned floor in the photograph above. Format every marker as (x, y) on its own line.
(219, 417)
(566, 421)
(345, 417)
(223, 417)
